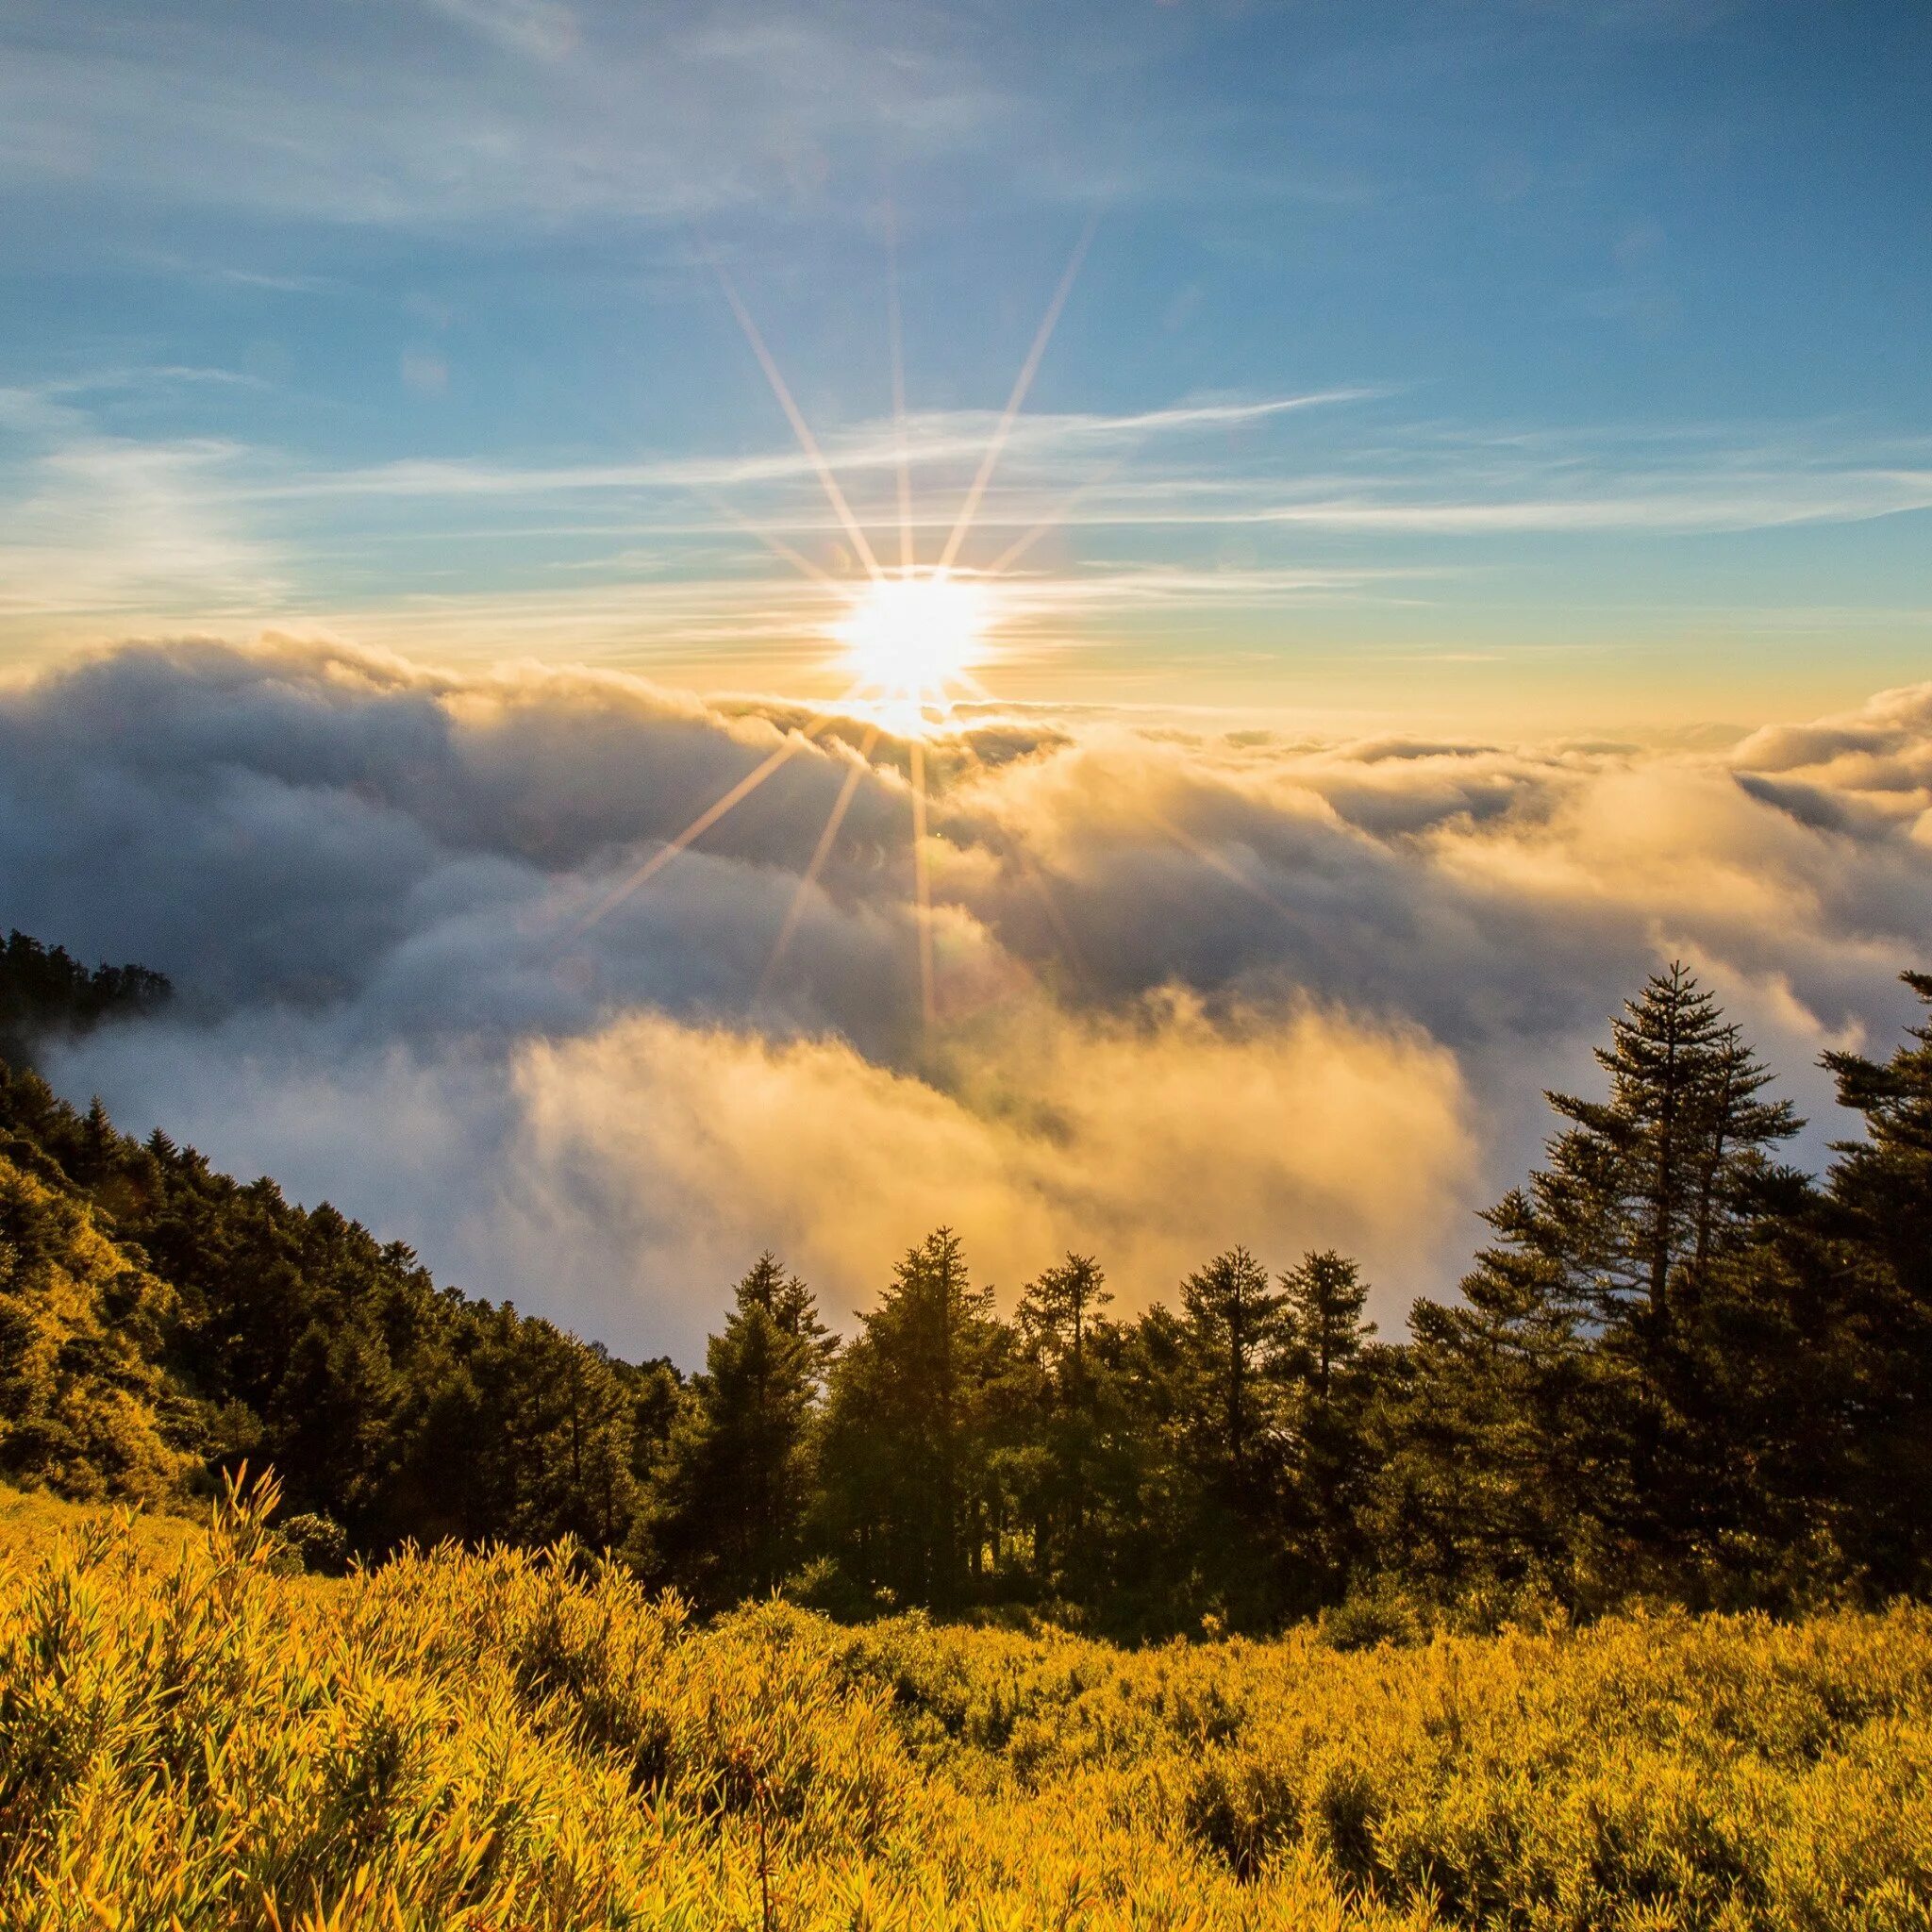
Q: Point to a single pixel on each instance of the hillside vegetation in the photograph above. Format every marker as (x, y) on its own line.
(513, 1740)
(1679, 1371)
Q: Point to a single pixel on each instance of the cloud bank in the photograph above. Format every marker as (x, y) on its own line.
(1190, 990)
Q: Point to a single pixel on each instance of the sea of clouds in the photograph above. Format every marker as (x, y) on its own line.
(1190, 988)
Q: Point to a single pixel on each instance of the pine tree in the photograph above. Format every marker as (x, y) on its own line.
(1057, 1313)
(1057, 1317)
(1573, 1368)
(1884, 1182)
(789, 1303)
(1324, 1295)
(907, 1435)
(1329, 1389)
(1238, 1326)
(1875, 1270)
(1653, 1184)
(736, 1481)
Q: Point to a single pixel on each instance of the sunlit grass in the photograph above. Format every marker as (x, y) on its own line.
(189, 1737)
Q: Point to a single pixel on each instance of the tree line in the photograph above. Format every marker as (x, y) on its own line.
(1678, 1368)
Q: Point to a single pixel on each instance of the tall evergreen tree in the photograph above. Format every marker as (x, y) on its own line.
(1324, 1296)
(1884, 1182)
(1652, 1184)
(1570, 1371)
(1057, 1317)
(1329, 1388)
(736, 1481)
(1239, 1332)
(1875, 1269)
(906, 1438)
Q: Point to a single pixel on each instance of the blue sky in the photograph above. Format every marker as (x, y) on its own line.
(1554, 363)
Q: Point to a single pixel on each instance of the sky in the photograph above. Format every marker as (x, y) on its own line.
(1552, 364)
(1447, 489)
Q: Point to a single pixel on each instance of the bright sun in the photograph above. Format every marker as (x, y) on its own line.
(909, 636)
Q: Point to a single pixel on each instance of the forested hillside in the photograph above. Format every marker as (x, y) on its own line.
(1679, 1370)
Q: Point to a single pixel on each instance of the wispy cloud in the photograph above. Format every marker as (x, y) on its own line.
(1214, 503)
(662, 113)
(113, 527)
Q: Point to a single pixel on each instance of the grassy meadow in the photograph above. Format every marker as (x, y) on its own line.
(193, 1736)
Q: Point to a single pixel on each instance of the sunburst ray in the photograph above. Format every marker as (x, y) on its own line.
(795, 741)
(821, 852)
(895, 329)
(1028, 369)
(921, 885)
(806, 442)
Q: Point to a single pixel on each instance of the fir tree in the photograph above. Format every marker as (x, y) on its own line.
(1057, 1317)
(1326, 1368)
(907, 1428)
(1573, 1369)
(1324, 1296)
(1239, 1330)
(736, 1481)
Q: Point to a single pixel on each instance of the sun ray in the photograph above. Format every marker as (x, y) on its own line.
(795, 743)
(1069, 947)
(800, 428)
(776, 545)
(1214, 861)
(1060, 513)
(821, 852)
(1027, 370)
(922, 882)
(896, 330)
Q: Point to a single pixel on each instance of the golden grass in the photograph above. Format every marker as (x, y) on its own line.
(506, 1741)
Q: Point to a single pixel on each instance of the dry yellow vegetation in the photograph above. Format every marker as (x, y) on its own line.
(189, 1738)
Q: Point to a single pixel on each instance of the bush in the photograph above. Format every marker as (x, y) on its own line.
(319, 1543)
(476, 1740)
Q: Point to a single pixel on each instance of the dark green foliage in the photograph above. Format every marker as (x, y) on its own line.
(1058, 1478)
(294, 1338)
(736, 1482)
(1564, 1413)
(45, 990)
(1335, 1376)
(914, 1413)
(1238, 1336)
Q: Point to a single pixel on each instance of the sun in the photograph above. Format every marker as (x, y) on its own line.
(909, 635)
(912, 637)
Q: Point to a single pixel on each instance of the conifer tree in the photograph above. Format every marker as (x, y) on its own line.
(791, 1305)
(1056, 1317)
(1875, 1271)
(1572, 1371)
(1884, 1182)
(1329, 1389)
(1653, 1183)
(736, 1481)
(1237, 1327)
(1057, 1311)
(907, 1433)
(1324, 1295)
